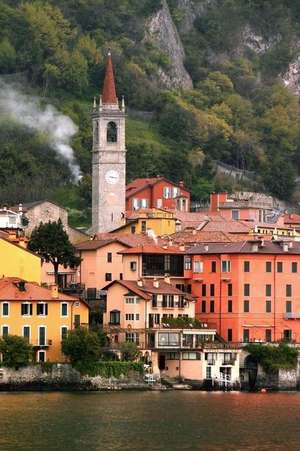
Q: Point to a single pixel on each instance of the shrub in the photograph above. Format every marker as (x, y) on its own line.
(16, 351)
(129, 351)
(273, 358)
(82, 347)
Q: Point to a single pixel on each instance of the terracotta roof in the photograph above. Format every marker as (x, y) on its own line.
(246, 247)
(292, 219)
(148, 288)
(129, 240)
(227, 226)
(141, 183)
(152, 249)
(33, 292)
(109, 95)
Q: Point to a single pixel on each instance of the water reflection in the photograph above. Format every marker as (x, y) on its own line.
(149, 421)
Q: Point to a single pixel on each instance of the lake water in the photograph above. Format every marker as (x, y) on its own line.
(149, 421)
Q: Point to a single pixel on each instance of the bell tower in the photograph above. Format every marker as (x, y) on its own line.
(109, 157)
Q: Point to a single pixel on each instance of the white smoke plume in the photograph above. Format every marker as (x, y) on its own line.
(30, 112)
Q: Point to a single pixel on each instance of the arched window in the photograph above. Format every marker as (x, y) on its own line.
(112, 132)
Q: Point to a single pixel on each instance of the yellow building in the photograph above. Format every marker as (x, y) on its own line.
(159, 221)
(41, 315)
(16, 261)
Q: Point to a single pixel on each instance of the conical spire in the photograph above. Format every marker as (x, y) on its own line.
(109, 95)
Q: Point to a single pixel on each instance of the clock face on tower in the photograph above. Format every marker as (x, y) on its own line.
(112, 177)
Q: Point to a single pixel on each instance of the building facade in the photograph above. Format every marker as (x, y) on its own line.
(42, 316)
(109, 158)
(157, 192)
(248, 290)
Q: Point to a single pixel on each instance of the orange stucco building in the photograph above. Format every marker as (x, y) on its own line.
(248, 291)
(41, 315)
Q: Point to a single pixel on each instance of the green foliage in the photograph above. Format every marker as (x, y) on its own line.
(183, 323)
(272, 358)
(16, 351)
(237, 112)
(129, 351)
(82, 347)
(51, 242)
(115, 369)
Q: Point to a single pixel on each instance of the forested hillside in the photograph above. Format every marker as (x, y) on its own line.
(204, 81)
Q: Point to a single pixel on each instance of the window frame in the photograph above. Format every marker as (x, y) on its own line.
(61, 309)
(2, 309)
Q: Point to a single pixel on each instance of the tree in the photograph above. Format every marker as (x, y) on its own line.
(82, 347)
(51, 242)
(16, 351)
(129, 351)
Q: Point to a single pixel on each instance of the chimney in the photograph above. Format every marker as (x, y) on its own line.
(54, 291)
(291, 244)
(206, 248)
(285, 246)
(155, 283)
(140, 283)
(194, 231)
(20, 208)
(182, 247)
(167, 279)
(181, 184)
(254, 246)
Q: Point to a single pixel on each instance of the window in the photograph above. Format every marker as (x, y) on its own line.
(288, 307)
(246, 335)
(108, 276)
(133, 337)
(279, 267)
(132, 266)
(26, 333)
(131, 300)
(63, 332)
(176, 192)
(76, 321)
(203, 306)
(235, 215)
(294, 267)
(121, 276)
(144, 226)
(167, 192)
(212, 290)
(229, 334)
(246, 266)
(268, 266)
(288, 290)
(198, 267)
(41, 356)
(42, 309)
(268, 290)
(246, 306)
(5, 308)
(229, 289)
(213, 266)
(191, 356)
(208, 372)
(268, 306)
(112, 132)
(114, 317)
(203, 290)
(137, 316)
(109, 257)
(132, 229)
(212, 306)
(226, 266)
(64, 309)
(129, 316)
(246, 289)
(168, 339)
(229, 306)
(268, 335)
(42, 335)
(187, 263)
(168, 300)
(287, 334)
(5, 331)
(26, 309)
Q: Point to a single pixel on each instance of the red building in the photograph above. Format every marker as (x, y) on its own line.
(248, 290)
(157, 192)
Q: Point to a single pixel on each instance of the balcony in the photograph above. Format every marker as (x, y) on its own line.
(229, 361)
(37, 344)
(292, 315)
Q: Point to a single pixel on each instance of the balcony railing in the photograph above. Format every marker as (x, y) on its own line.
(229, 362)
(292, 315)
(211, 362)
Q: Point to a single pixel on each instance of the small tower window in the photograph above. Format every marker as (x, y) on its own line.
(112, 132)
